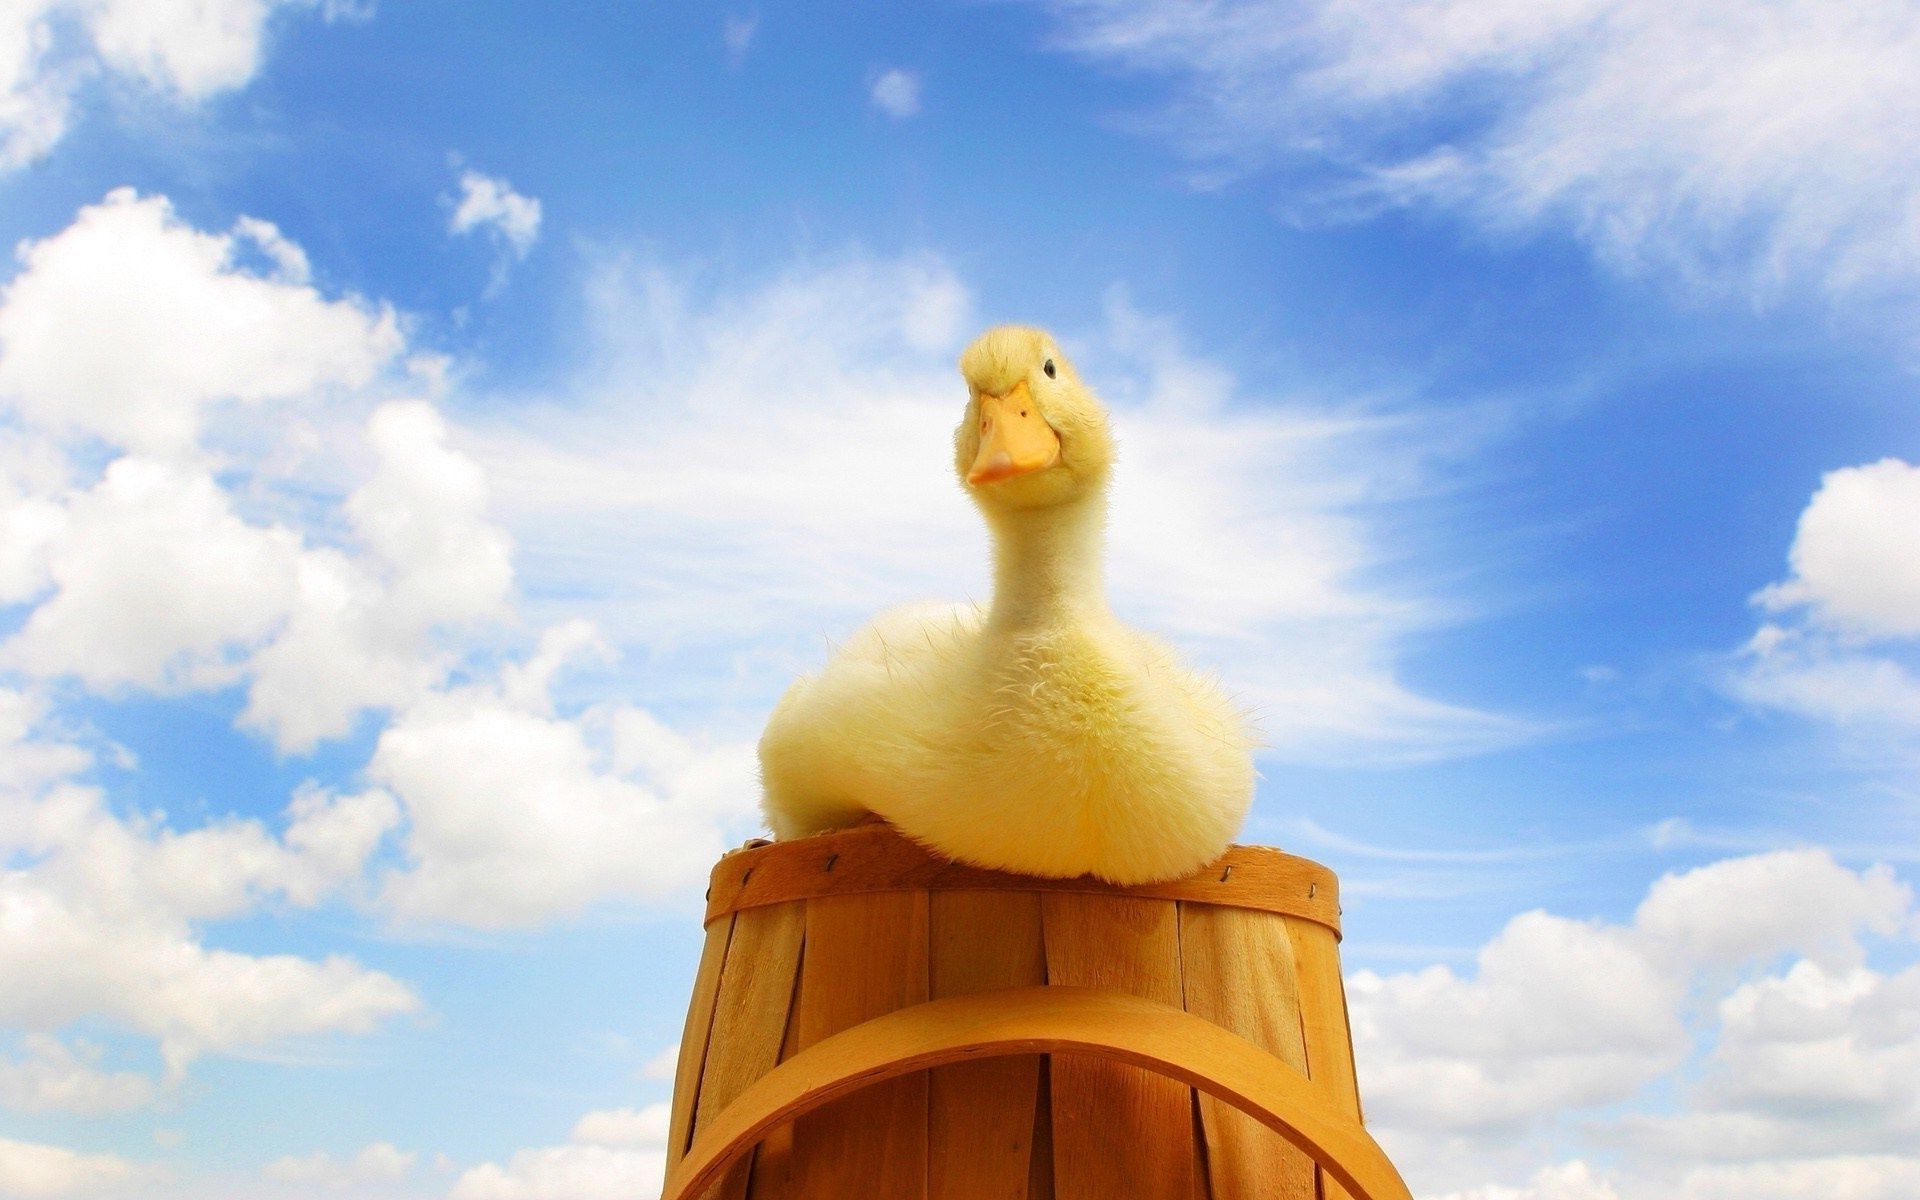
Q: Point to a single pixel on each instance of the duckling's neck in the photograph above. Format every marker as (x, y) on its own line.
(1047, 563)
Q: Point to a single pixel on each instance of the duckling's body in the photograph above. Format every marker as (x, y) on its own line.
(1039, 735)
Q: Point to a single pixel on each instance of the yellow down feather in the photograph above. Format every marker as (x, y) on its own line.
(1038, 734)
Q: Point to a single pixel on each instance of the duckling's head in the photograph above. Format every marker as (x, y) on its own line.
(1034, 435)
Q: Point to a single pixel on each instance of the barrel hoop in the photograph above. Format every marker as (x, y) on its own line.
(876, 858)
(1048, 1020)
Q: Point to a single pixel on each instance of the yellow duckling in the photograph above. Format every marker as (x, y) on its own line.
(1041, 735)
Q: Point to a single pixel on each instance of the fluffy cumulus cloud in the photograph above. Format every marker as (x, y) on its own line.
(377, 1162)
(1563, 1181)
(611, 1155)
(169, 567)
(1841, 641)
(184, 51)
(129, 324)
(217, 478)
(359, 631)
(489, 205)
(333, 558)
(772, 466)
(103, 927)
(31, 1171)
(1742, 990)
(161, 532)
(52, 1076)
(517, 814)
(1760, 144)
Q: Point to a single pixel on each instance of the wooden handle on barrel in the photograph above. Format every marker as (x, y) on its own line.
(1047, 1020)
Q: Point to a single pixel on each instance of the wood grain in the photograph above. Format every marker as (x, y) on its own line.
(1066, 1022)
(1117, 1130)
(1238, 972)
(876, 858)
(866, 957)
(1323, 1013)
(693, 1039)
(749, 1018)
(980, 1119)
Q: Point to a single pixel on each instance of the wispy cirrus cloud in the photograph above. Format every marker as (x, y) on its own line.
(1755, 146)
(742, 474)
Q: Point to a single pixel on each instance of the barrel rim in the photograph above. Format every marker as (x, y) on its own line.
(878, 858)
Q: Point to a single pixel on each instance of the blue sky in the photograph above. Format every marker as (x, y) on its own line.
(431, 436)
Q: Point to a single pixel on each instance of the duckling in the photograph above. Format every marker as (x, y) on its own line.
(1039, 735)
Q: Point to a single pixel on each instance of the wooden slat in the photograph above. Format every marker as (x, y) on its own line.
(749, 1018)
(1239, 973)
(866, 956)
(693, 1039)
(1061, 1021)
(773, 1159)
(875, 858)
(1117, 1130)
(980, 1118)
(1323, 1015)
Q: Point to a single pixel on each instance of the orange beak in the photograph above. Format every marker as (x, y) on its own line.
(1014, 439)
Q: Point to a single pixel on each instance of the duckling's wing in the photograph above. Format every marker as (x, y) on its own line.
(839, 740)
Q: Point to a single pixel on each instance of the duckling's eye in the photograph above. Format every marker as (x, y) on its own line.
(1048, 368)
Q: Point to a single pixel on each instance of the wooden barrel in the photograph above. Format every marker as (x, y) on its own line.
(871, 1020)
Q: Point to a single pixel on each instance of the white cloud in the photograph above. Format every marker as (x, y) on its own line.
(1798, 671)
(189, 47)
(184, 50)
(32, 1171)
(34, 93)
(490, 204)
(53, 1076)
(1854, 1177)
(377, 1162)
(772, 466)
(1763, 144)
(1843, 640)
(1528, 1034)
(156, 582)
(1730, 1031)
(737, 34)
(358, 630)
(611, 1155)
(1565, 1181)
(1856, 553)
(516, 815)
(663, 1065)
(73, 959)
(100, 924)
(896, 93)
(160, 574)
(129, 325)
(622, 1127)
